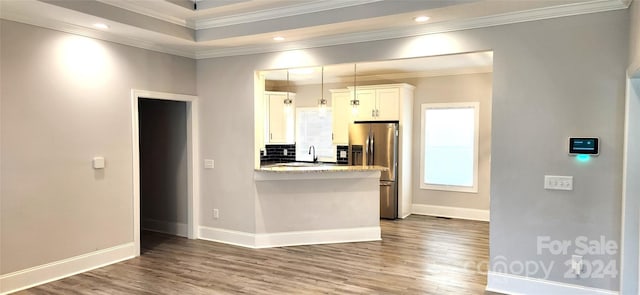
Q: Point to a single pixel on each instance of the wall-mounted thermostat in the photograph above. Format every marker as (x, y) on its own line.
(584, 146)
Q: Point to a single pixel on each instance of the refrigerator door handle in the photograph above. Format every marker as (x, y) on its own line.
(372, 150)
(366, 152)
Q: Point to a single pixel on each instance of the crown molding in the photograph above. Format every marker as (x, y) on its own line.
(442, 27)
(131, 6)
(95, 34)
(550, 12)
(242, 18)
(274, 13)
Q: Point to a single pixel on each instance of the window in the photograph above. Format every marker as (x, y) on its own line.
(449, 154)
(313, 127)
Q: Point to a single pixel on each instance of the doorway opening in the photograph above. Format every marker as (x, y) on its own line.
(165, 179)
(163, 167)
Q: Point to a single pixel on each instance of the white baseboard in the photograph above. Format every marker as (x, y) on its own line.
(38, 275)
(515, 285)
(290, 238)
(451, 212)
(231, 237)
(172, 228)
(360, 234)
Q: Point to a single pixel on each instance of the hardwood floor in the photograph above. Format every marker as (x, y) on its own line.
(418, 255)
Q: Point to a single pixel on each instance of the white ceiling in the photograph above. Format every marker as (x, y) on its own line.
(235, 27)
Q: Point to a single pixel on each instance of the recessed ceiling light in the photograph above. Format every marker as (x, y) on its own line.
(421, 19)
(278, 38)
(101, 26)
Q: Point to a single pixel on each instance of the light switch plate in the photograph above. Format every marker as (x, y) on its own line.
(98, 163)
(554, 182)
(208, 164)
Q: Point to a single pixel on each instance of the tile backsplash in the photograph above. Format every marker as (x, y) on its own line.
(278, 153)
(275, 153)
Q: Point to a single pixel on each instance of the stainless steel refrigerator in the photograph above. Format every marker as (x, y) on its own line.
(376, 143)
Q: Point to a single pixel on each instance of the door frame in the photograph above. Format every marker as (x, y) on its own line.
(629, 250)
(193, 158)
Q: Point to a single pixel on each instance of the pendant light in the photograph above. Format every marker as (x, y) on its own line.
(322, 103)
(287, 101)
(354, 102)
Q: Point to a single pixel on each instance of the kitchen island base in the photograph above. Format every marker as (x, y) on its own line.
(307, 206)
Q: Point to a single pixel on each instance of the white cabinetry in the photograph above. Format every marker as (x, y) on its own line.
(341, 111)
(279, 120)
(365, 109)
(387, 104)
(378, 103)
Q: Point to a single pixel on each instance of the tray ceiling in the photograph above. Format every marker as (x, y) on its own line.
(235, 27)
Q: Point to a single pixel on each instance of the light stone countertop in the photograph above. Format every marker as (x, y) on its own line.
(316, 168)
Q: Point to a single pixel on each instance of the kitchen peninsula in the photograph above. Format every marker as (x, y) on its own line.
(317, 204)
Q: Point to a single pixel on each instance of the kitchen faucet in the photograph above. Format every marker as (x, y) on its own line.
(315, 158)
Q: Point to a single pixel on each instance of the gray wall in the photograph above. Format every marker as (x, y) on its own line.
(458, 88)
(66, 99)
(565, 77)
(552, 79)
(225, 90)
(163, 161)
(634, 39)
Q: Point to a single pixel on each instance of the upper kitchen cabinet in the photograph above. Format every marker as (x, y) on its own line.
(341, 111)
(387, 103)
(366, 105)
(381, 102)
(279, 117)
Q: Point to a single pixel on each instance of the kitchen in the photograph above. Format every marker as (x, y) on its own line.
(321, 99)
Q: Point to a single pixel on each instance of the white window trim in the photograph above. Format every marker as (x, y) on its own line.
(467, 189)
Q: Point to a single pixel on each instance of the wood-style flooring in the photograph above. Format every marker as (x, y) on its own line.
(418, 255)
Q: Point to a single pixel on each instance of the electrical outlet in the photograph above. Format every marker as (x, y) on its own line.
(216, 213)
(208, 164)
(285, 152)
(564, 183)
(576, 264)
